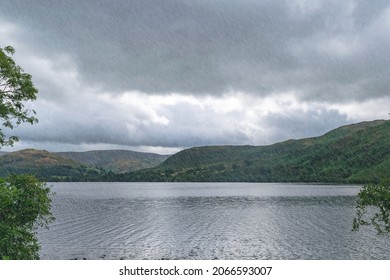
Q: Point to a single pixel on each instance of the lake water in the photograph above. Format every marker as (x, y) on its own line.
(207, 221)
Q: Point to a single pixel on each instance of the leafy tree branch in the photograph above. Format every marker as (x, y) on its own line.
(25, 203)
(16, 87)
(373, 208)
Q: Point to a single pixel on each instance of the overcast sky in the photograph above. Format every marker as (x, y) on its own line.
(160, 76)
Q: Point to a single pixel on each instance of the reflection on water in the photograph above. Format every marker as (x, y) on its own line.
(207, 221)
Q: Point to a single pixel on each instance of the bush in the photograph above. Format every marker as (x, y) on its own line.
(25, 206)
(376, 198)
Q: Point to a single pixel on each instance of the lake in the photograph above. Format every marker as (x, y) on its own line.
(207, 221)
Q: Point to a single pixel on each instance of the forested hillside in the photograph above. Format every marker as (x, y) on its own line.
(350, 154)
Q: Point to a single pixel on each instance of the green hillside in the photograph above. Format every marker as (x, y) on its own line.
(350, 154)
(356, 153)
(46, 166)
(117, 161)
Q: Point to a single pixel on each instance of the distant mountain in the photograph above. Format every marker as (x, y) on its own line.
(355, 153)
(117, 161)
(46, 166)
(3, 153)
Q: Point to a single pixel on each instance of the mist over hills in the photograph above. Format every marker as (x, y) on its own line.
(357, 153)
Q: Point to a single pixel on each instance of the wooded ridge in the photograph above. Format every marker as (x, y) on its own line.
(356, 153)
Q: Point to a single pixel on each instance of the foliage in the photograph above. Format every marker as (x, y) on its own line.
(373, 208)
(46, 166)
(25, 203)
(117, 161)
(16, 87)
(358, 153)
(25, 206)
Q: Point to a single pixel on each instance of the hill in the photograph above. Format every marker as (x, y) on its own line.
(46, 166)
(117, 161)
(355, 153)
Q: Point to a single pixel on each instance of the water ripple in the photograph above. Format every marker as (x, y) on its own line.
(194, 222)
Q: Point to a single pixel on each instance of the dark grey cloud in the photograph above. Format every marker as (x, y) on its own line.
(324, 50)
(302, 124)
(365, 12)
(242, 72)
(189, 126)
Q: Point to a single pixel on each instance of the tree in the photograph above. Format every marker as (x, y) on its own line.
(16, 87)
(373, 208)
(25, 202)
(24, 207)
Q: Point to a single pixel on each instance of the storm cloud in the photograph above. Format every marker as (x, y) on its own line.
(177, 74)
